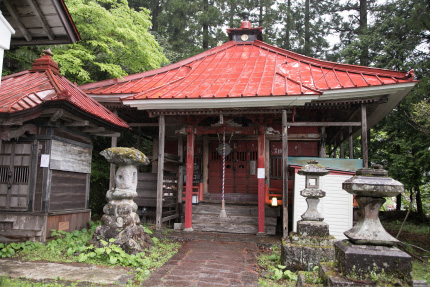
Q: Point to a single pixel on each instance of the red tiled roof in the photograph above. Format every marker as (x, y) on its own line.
(245, 69)
(43, 83)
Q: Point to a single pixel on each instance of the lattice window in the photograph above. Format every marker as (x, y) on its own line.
(20, 174)
(241, 155)
(4, 174)
(253, 155)
(276, 167)
(216, 156)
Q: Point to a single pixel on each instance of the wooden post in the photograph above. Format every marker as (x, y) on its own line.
(285, 173)
(267, 161)
(160, 168)
(350, 145)
(189, 183)
(180, 174)
(154, 155)
(261, 181)
(342, 150)
(364, 146)
(322, 152)
(114, 143)
(205, 163)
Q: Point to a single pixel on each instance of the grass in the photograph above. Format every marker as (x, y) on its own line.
(423, 228)
(272, 272)
(75, 247)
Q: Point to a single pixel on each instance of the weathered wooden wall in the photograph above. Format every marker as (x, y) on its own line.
(68, 190)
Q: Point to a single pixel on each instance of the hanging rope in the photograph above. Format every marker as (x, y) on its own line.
(223, 163)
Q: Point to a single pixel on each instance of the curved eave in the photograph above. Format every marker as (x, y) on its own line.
(395, 92)
(220, 103)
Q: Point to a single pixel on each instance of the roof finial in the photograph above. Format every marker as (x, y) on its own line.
(47, 52)
(245, 23)
(245, 15)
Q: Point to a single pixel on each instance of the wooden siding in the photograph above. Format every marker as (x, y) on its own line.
(336, 206)
(68, 222)
(146, 190)
(69, 157)
(68, 190)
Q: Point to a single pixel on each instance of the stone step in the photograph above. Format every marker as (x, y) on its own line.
(232, 228)
(233, 209)
(252, 220)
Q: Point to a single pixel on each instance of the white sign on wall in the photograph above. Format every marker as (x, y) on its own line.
(261, 173)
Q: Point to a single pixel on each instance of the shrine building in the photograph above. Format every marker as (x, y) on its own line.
(273, 110)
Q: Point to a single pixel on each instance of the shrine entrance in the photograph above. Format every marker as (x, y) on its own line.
(240, 169)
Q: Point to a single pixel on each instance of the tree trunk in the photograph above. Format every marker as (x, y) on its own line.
(364, 55)
(307, 48)
(420, 210)
(399, 202)
(155, 13)
(288, 26)
(260, 16)
(205, 25)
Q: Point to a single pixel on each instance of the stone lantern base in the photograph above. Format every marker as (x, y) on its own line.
(361, 260)
(304, 252)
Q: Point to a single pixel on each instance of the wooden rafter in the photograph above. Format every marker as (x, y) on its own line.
(16, 17)
(39, 15)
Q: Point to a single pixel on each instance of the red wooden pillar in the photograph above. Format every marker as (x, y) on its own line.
(261, 180)
(189, 183)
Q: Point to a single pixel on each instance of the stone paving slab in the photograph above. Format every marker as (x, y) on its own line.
(51, 271)
(209, 263)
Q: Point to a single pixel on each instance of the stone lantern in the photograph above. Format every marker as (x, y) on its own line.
(370, 249)
(312, 223)
(120, 220)
(312, 243)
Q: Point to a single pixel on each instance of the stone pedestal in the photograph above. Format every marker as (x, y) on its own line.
(120, 220)
(360, 261)
(305, 252)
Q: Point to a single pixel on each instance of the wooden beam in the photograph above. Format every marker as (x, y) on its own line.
(325, 124)
(160, 171)
(284, 174)
(205, 164)
(113, 143)
(16, 17)
(189, 183)
(323, 148)
(170, 217)
(350, 144)
(108, 134)
(364, 146)
(57, 115)
(94, 130)
(77, 124)
(42, 19)
(142, 125)
(261, 181)
(16, 133)
(342, 150)
(180, 174)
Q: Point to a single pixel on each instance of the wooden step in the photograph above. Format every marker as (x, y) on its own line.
(240, 218)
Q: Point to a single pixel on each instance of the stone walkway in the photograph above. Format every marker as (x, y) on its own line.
(209, 263)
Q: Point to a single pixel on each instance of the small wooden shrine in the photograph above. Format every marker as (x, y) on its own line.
(46, 124)
(240, 117)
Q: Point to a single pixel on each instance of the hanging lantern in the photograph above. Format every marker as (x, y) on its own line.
(274, 201)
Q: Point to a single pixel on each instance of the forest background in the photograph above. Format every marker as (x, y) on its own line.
(122, 37)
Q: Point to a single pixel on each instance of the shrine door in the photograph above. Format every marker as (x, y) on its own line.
(240, 168)
(14, 175)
